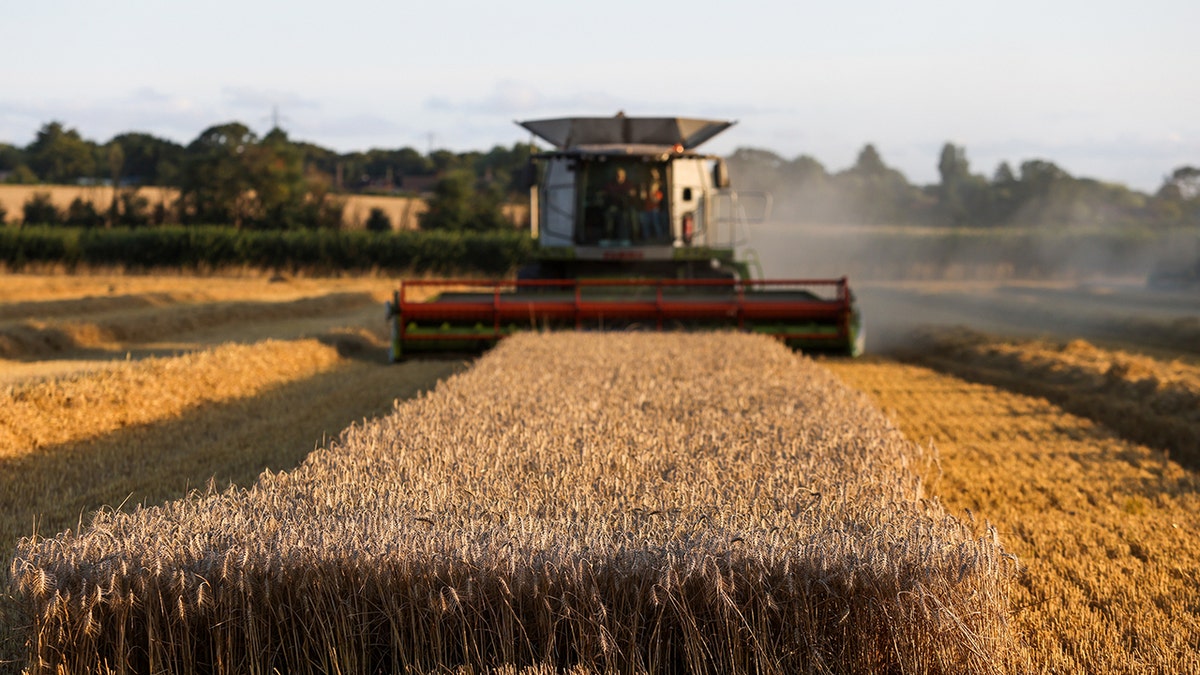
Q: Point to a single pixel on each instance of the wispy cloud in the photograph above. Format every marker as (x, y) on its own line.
(263, 98)
(143, 109)
(510, 97)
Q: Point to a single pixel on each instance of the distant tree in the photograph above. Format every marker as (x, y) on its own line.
(869, 162)
(3, 215)
(60, 155)
(134, 209)
(1042, 194)
(115, 160)
(323, 208)
(278, 180)
(22, 175)
(444, 160)
(231, 176)
(149, 160)
(1002, 193)
(1039, 176)
(1186, 179)
(384, 169)
(458, 205)
(955, 175)
(504, 169)
(10, 157)
(1003, 175)
(756, 169)
(40, 210)
(1178, 200)
(872, 193)
(451, 207)
(83, 214)
(806, 170)
(217, 181)
(161, 213)
(378, 221)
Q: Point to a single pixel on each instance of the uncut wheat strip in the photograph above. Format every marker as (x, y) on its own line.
(639, 456)
(48, 413)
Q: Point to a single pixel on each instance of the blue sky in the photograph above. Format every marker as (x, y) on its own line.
(1104, 89)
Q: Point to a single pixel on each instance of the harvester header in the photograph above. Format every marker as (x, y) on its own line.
(635, 230)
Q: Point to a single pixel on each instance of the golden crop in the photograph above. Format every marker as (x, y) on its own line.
(648, 502)
(1150, 400)
(1107, 531)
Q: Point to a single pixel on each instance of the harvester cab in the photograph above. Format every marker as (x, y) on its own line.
(623, 197)
(635, 230)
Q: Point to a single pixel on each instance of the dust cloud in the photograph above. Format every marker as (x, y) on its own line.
(1015, 281)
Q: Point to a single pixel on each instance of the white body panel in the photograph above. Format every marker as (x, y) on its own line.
(691, 187)
(556, 219)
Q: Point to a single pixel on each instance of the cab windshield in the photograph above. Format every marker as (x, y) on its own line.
(624, 203)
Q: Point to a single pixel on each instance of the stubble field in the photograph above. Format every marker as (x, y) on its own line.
(129, 390)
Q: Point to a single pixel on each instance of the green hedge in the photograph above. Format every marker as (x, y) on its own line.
(216, 247)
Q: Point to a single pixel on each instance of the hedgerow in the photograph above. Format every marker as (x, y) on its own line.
(206, 248)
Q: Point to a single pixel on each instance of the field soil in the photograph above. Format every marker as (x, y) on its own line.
(136, 389)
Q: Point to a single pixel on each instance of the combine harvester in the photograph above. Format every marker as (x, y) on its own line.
(635, 230)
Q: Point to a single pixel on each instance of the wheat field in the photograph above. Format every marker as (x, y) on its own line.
(1100, 508)
(611, 503)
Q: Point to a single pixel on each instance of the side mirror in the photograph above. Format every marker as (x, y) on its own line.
(720, 175)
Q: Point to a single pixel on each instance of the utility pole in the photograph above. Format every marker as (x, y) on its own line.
(276, 118)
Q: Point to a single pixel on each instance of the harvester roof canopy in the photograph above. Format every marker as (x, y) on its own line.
(571, 132)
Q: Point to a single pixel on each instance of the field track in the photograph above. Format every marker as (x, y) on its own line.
(1105, 528)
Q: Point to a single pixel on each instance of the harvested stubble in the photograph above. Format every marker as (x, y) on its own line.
(1145, 399)
(666, 503)
(1108, 532)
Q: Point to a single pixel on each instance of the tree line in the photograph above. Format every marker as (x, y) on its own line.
(1036, 193)
(230, 175)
